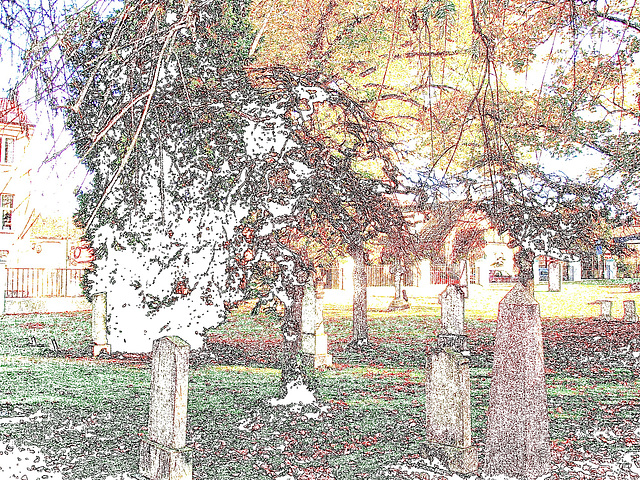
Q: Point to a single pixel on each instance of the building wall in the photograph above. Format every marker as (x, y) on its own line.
(15, 180)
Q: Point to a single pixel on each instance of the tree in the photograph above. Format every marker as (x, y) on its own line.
(484, 87)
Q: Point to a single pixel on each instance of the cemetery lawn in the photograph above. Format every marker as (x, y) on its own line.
(86, 415)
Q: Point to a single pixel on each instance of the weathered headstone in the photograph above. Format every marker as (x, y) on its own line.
(314, 339)
(517, 441)
(163, 454)
(398, 302)
(630, 314)
(555, 276)
(448, 404)
(452, 310)
(99, 324)
(605, 310)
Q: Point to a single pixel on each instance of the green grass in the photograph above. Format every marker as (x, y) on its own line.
(94, 411)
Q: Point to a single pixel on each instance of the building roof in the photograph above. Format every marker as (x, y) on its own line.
(11, 113)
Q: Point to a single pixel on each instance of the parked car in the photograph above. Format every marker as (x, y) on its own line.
(500, 276)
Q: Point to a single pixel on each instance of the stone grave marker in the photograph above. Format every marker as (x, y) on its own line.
(448, 404)
(163, 454)
(400, 301)
(605, 310)
(555, 277)
(630, 314)
(99, 324)
(517, 440)
(314, 339)
(452, 310)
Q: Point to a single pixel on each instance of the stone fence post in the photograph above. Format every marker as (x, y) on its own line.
(517, 441)
(163, 454)
(448, 395)
(99, 324)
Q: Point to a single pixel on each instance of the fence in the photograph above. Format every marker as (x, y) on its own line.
(380, 276)
(43, 282)
(443, 274)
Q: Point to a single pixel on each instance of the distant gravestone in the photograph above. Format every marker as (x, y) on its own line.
(605, 310)
(517, 441)
(448, 395)
(163, 454)
(314, 339)
(99, 324)
(399, 301)
(630, 314)
(452, 310)
(555, 277)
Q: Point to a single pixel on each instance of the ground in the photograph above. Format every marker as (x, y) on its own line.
(75, 417)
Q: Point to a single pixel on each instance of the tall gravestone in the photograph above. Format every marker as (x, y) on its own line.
(163, 453)
(448, 404)
(630, 314)
(99, 324)
(605, 310)
(517, 441)
(555, 276)
(314, 338)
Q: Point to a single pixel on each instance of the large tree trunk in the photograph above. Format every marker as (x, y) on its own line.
(360, 333)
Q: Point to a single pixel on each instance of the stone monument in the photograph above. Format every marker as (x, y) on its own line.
(517, 441)
(163, 453)
(99, 324)
(448, 404)
(398, 302)
(630, 314)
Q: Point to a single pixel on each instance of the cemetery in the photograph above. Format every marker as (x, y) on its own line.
(319, 240)
(428, 400)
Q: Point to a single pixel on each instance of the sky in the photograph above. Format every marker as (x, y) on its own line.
(55, 171)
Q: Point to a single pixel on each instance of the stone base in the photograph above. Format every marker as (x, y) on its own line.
(398, 304)
(164, 463)
(456, 459)
(98, 349)
(319, 360)
(630, 319)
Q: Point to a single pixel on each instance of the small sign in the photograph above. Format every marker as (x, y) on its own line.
(598, 249)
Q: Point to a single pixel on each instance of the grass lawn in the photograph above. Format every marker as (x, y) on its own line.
(85, 415)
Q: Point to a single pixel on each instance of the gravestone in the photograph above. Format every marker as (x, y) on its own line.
(630, 314)
(452, 310)
(398, 302)
(163, 454)
(448, 395)
(314, 339)
(555, 276)
(99, 324)
(517, 440)
(605, 310)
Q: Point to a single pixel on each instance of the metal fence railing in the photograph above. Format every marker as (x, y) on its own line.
(443, 274)
(43, 282)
